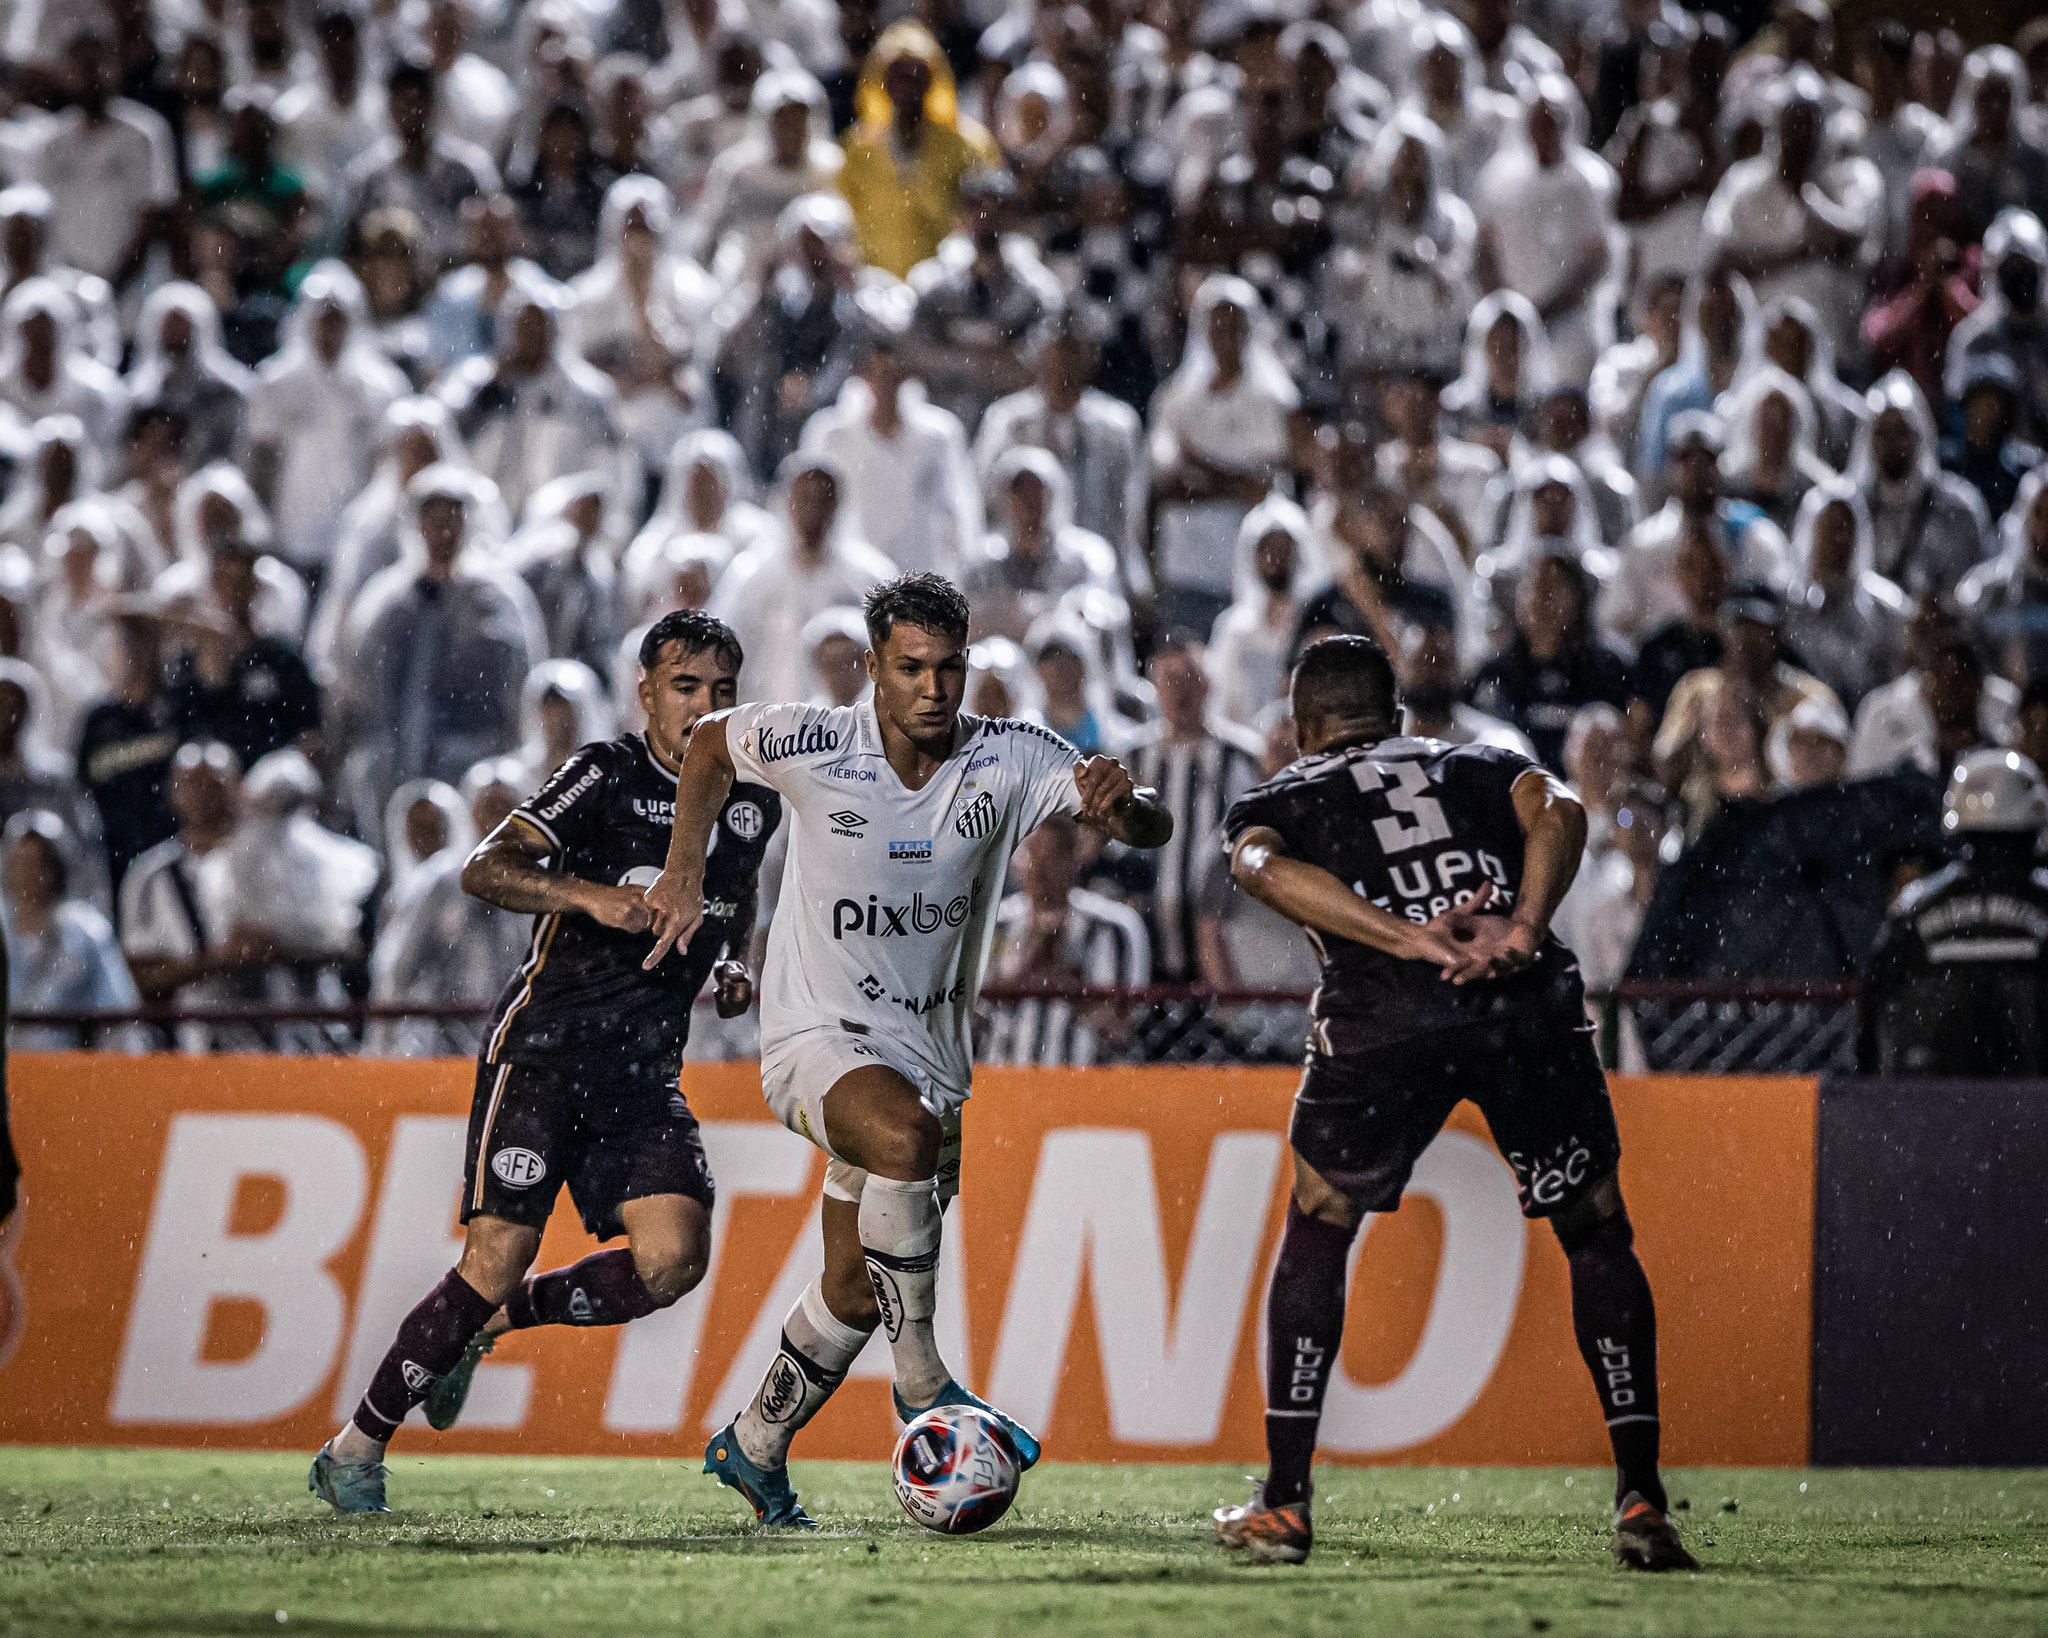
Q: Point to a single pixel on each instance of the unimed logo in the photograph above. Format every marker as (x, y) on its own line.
(361, 1226)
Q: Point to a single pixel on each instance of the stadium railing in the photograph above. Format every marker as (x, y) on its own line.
(1698, 1028)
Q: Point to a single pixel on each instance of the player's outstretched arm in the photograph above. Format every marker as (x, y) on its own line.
(1111, 804)
(1309, 896)
(510, 869)
(677, 897)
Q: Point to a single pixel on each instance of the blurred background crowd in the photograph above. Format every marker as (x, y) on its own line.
(1664, 387)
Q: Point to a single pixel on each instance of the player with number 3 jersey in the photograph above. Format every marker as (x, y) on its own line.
(1426, 875)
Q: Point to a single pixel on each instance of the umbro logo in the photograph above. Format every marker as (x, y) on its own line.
(978, 818)
(848, 823)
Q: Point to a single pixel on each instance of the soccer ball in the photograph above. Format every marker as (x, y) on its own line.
(956, 1470)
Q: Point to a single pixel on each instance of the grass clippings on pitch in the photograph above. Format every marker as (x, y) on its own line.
(172, 1542)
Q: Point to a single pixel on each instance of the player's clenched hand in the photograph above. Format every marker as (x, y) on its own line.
(732, 988)
(622, 908)
(677, 904)
(1103, 782)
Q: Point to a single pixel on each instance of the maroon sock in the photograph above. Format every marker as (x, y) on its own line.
(1616, 1323)
(1304, 1329)
(604, 1289)
(430, 1339)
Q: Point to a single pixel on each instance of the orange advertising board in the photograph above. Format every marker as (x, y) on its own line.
(215, 1251)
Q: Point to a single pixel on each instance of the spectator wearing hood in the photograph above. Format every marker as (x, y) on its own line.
(417, 433)
(1506, 372)
(1930, 527)
(568, 555)
(2005, 600)
(812, 562)
(1773, 456)
(1843, 619)
(562, 706)
(61, 952)
(315, 417)
(1644, 592)
(219, 515)
(787, 155)
(909, 150)
(1986, 451)
(1796, 219)
(799, 328)
(638, 315)
(532, 411)
(707, 501)
(1996, 159)
(1097, 440)
(34, 775)
(1034, 556)
(908, 485)
(461, 315)
(441, 948)
(979, 297)
(1717, 342)
(231, 682)
(1252, 642)
(2011, 321)
(1222, 430)
(1546, 205)
(1554, 664)
(181, 366)
(45, 370)
(435, 653)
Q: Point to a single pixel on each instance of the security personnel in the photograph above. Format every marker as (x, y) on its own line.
(1958, 983)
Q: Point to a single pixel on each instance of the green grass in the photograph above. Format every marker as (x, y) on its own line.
(163, 1542)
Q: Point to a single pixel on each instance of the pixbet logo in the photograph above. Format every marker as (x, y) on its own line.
(879, 920)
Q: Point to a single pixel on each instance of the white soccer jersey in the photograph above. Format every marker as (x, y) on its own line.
(889, 896)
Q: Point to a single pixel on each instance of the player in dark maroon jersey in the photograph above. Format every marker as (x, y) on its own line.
(577, 1082)
(1426, 875)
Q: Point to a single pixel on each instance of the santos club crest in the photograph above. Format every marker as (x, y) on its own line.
(978, 818)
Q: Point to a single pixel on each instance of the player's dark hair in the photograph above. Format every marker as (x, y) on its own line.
(929, 602)
(697, 631)
(1346, 678)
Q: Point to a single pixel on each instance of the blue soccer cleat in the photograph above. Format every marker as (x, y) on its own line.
(348, 1487)
(953, 1394)
(450, 1391)
(766, 1489)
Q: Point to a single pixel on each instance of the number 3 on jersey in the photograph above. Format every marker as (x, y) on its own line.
(1418, 817)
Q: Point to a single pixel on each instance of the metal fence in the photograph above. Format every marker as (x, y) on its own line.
(1673, 1028)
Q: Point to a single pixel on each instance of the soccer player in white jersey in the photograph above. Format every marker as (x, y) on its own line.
(903, 814)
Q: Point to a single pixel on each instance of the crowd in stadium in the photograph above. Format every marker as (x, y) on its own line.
(1664, 388)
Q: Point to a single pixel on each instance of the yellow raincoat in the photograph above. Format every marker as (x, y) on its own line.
(901, 212)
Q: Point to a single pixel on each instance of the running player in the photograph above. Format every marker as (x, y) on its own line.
(577, 1082)
(1427, 876)
(903, 815)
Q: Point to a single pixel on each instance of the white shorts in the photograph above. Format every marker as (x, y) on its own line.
(798, 1070)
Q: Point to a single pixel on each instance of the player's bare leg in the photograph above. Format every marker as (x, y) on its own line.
(1304, 1332)
(1615, 1320)
(668, 1243)
(348, 1473)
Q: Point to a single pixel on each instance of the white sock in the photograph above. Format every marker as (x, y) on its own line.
(352, 1444)
(817, 1349)
(899, 1231)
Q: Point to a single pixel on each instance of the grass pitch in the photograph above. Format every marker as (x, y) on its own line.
(165, 1542)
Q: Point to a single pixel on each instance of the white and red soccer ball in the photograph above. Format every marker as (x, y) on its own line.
(956, 1470)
